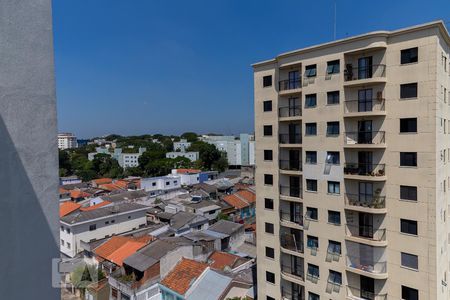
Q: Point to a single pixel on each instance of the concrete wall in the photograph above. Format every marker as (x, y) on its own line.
(28, 155)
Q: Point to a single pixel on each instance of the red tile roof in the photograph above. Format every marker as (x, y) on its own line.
(76, 194)
(94, 207)
(68, 207)
(110, 187)
(118, 248)
(240, 199)
(63, 191)
(219, 260)
(183, 275)
(100, 181)
(192, 171)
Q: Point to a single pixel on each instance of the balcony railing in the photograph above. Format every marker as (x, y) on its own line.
(294, 270)
(290, 84)
(357, 294)
(290, 165)
(364, 137)
(366, 232)
(366, 264)
(290, 138)
(291, 191)
(365, 200)
(367, 105)
(290, 111)
(293, 217)
(357, 73)
(289, 293)
(363, 169)
(291, 242)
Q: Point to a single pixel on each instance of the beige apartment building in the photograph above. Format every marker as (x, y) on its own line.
(353, 168)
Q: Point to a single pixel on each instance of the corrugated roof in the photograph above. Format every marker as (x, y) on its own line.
(210, 286)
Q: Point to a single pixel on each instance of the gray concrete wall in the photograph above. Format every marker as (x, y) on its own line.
(28, 151)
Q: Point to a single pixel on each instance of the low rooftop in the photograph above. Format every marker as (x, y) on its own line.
(183, 275)
(225, 227)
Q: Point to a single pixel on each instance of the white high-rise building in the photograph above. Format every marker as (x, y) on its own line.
(67, 141)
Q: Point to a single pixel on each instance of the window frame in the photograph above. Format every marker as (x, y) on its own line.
(407, 59)
(314, 212)
(332, 95)
(266, 130)
(334, 214)
(268, 153)
(269, 276)
(311, 71)
(408, 159)
(404, 128)
(307, 153)
(310, 129)
(269, 108)
(314, 185)
(333, 67)
(406, 225)
(265, 81)
(267, 178)
(410, 190)
(333, 190)
(270, 202)
(404, 93)
(310, 100)
(404, 257)
(271, 251)
(331, 128)
(269, 228)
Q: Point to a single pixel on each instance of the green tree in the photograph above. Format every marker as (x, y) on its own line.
(105, 166)
(209, 155)
(221, 164)
(190, 136)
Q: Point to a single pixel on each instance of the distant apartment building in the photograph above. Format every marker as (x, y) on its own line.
(67, 141)
(162, 185)
(84, 225)
(352, 168)
(181, 145)
(240, 152)
(192, 156)
(126, 159)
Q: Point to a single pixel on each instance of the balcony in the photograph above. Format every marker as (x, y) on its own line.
(290, 140)
(292, 241)
(366, 234)
(366, 203)
(293, 271)
(366, 107)
(291, 191)
(359, 294)
(365, 171)
(296, 292)
(292, 166)
(365, 139)
(290, 86)
(291, 218)
(366, 266)
(371, 74)
(289, 113)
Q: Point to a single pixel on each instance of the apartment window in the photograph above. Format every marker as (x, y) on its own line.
(167, 182)
(334, 217)
(310, 129)
(409, 293)
(270, 277)
(267, 130)
(153, 183)
(408, 159)
(269, 228)
(333, 67)
(268, 179)
(311, 185)
(270, 252)
(312, 296)
(409, 55)
(408, 90)
(333, 97)
(334, 187)
(408, 226)
(68, 230)
(313, 271)
(311, 213)
(408, 192)
(267, 81)
(408, 125)
(268, 203)
(334, 247)
(332, 128)
(409, 260)
(267, 105)
(269, 298)
(311, 71)
(311, 157)
(311, 100)
(68, 245)
(333, 158)
(312, 242)
(92, 227)
(335, 277)
(62, 242)
(268, 155)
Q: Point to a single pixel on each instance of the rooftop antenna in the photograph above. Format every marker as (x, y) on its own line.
(334, 29)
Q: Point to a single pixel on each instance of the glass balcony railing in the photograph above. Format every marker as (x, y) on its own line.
(366, 264)
(293, 294)
(292, 242)
(357, 294)
(290, 138)
(291, 191)
(364, 137)
(364, 169)
(290, 84)
(365, 200)
(291, 216)
(366, 105)
(290, 111)
(293, 269)
(358, 73)
(290, 165)
(366, 232)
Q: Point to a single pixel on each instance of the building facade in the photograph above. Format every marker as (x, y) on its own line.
(240, 151)
(192, 156)
(67, 141)
(352, 176)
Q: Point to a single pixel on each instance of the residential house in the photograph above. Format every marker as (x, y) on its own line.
(233, 233)
(69, 180)
(182, 145)
(243, 202)
(163, 187)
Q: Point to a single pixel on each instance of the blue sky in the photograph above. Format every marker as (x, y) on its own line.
(159, 66)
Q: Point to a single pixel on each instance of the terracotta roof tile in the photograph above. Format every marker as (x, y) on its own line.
(123, 252)
(68, 207)
(118, 248)
(183, 275)
(219, 260)
(192, 171)
(110, 187)
(93, 207)
(235, 201)
(76, 194)
(63, 191)
(247, 195)
(100, 181)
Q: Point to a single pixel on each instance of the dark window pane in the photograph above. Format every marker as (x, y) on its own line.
(267, 130)
(333, 97)
(268, 155)
(312, 213)
(268, 179)
(310, 129)
(270, 252)
(332, 128)
(408, 159)
(408, 125)
(269, 228)
(333, 158)
(311, 71)
(333, 67)
(408, 90)
(409, 56)
(313, 270)
(334, 187)
(312, 242)
(310, 100)
(408, 192)
(270, 298)
(409, 293)
(270, 277)
(268, 203)
(334, 247)
(267, 81)
(311, 157)
(410, 260)
(408, 226)
(267, 105)
(335, 277)
(334, 217)
(311, 185)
